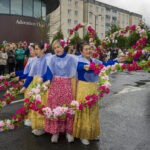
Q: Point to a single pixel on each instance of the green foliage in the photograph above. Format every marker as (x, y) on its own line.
(96, 41)
(1, 46)
(75, 39)
(147, 48)
(121, 42)
(148, 40)
(86, 37)
(58, 35)
(113, 28)
(143, 25)
(132, 39)
(44, 29)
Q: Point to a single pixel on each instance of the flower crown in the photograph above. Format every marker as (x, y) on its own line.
(46, 46)
(64, 42)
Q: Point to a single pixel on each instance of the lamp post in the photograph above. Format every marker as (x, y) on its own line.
(95, 17)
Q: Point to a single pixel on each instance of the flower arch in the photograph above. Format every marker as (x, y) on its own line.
(34, 102)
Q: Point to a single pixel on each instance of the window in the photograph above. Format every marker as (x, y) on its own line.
(96, 18)
(68, 31)
(76, 13)
(27, 8)
(97, 27)
(16, 7)
(76, 22)
(4, 6)
(43, 10)
(69, 2)
(37, 8)
(91, 8)
(97, 9)
(102, 18)
(69, 11)
(76, 4)
(69, 21)
(107, 11)
(114, 19)
(90, 15)
(91, 23)
(102, 9)
(114, 11)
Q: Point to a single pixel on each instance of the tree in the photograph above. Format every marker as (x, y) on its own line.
(86, 37)
(143, 25)
(75, 39)
(96, 41)
(132, 39)
(121, 41)
(44, 29)
(58, 35)
(1, 46)
(113, 28)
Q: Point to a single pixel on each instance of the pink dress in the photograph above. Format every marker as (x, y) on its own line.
(60, 92)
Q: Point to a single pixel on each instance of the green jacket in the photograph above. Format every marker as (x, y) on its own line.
(19, 54)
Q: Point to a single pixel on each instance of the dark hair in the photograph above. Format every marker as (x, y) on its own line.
(40, 45)
(33, 46)
(82, 46)
(66, 49)
(78, 47)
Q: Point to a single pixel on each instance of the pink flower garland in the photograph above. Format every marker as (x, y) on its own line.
(76, 28)
(137, 48)
(96, 67)
(10, 95)
(34, 103)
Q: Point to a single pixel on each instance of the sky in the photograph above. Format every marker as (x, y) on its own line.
(138, 6)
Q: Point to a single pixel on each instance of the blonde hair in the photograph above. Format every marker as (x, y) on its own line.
(93, 47)
(56, 42)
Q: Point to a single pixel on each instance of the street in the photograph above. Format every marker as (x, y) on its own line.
(124, 120)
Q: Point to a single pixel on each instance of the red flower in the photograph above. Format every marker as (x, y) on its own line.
(71, 31)
(133, 27)
(80, 107)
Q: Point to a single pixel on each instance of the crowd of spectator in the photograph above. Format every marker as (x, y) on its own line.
(13, 56)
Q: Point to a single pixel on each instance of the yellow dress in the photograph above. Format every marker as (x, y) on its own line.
(73, 84)
(86, 122)
(26, 96)
(37, 120)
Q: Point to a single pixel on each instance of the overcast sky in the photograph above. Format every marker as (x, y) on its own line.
(138, 6)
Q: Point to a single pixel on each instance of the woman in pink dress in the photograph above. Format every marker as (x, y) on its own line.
(63, 68)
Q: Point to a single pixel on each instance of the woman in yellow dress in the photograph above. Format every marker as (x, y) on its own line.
(22, 74)
(86, 122)
(38, 70)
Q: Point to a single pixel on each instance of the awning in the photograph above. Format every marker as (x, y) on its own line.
(51, 5)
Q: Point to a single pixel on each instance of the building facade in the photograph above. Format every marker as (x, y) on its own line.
(95, 13)
(66, 17)
(20, 19)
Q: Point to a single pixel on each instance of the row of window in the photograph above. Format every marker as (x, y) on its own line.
(70, 22)
(98, 9)
(70, 12)
(75, 3)
(31, 8)
(91, 15)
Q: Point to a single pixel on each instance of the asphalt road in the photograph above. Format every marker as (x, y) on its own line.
(124, 119)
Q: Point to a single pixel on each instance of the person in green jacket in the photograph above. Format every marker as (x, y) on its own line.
(19, 53)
